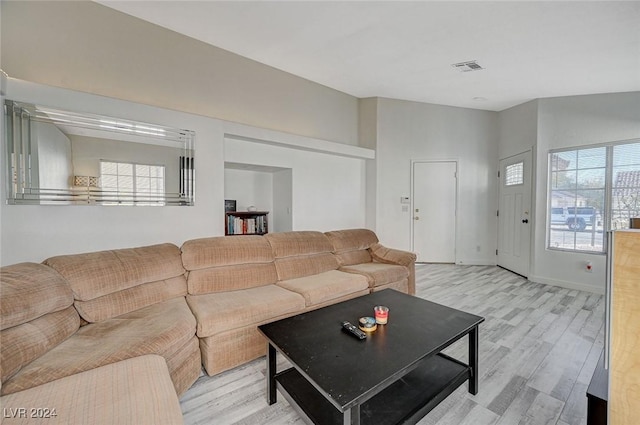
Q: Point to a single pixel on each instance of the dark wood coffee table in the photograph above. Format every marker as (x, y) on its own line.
(395, 376)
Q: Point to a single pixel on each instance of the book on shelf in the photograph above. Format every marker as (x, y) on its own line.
(246, 224)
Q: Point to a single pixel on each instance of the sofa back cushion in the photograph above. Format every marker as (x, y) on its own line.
(228, 263)
(300, 254)
(107, 284)
(351, 246)
(36, 314)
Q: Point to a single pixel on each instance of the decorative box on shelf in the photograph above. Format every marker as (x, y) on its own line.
(246, 223)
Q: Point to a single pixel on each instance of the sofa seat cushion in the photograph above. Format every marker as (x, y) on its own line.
(224, 311)
(158, 329)
(134, 391)
(378, 274)
(327, 286)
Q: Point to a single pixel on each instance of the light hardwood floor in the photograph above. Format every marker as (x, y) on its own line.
(539, 346)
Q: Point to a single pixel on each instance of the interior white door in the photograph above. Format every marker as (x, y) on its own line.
(514, 213)
(434, 211)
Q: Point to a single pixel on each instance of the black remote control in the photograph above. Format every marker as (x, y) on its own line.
(353, 330)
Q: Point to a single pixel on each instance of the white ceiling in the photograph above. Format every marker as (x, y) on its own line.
(404, 50)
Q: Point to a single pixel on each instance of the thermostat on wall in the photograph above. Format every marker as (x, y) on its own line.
(404, 200)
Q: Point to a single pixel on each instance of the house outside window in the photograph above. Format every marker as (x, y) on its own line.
(592, 190)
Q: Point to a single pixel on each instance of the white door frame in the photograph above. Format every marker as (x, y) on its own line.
(412, 211)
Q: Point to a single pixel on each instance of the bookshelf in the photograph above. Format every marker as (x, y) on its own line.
(246, 223)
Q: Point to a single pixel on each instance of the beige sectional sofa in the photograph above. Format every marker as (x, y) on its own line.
(142, 319)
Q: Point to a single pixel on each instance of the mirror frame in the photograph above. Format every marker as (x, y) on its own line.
(20, 187)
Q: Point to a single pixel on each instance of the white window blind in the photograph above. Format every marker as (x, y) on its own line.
(130, 183)
(592, 190)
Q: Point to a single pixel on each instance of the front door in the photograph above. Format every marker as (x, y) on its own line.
(434, 211)
(514, 213)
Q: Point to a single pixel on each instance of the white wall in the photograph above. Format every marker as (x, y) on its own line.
(36, 232)
(282, 201)
(249, 188)
(52, 167)
(88, 151)
(415, 131)
(147, 64)
(571, 122)
(328, 191)
(85, 46)
(368, 137)
(98, 50)
(518, 128)
(327, 187)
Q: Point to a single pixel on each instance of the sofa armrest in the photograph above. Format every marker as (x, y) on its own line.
(383, 254)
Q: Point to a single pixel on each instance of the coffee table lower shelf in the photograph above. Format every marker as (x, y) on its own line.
(405, 401)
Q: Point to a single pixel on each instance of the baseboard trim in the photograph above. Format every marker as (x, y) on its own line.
(464, 262)
(567, 284)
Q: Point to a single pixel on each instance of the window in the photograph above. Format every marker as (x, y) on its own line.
(514, 174)
(132, 184)
(625, 193)
(592, 190)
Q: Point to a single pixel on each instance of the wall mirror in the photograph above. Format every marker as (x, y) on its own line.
(57, 157)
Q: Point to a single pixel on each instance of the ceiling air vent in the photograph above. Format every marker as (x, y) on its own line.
(467, 66)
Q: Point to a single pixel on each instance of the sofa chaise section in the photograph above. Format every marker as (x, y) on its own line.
(359, 251)
(132, 302)
(231, 290)
(134, 391)
(306, 265)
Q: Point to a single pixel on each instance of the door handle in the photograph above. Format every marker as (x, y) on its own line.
(416, 218)
(525, 220)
